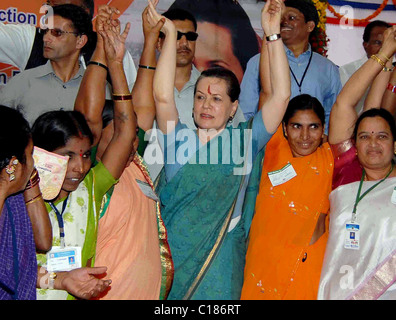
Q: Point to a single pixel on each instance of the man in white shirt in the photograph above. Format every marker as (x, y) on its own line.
(372, 43)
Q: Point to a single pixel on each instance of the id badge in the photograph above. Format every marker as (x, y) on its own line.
(352, 236)
(146, 189)
(65, 259)
(282, 175)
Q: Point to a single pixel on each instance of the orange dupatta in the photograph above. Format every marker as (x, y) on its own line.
(284, 221)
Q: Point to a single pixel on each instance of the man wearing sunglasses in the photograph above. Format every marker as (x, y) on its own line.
(186, 77)
(54, 85)
(22, 44)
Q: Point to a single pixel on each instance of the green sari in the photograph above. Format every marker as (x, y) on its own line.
(197, 206)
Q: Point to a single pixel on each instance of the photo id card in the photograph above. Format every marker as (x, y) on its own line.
(352, 236)
(282, 175)
(65, 259)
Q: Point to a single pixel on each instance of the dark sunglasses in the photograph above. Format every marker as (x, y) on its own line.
(190, 36)
(57, 32)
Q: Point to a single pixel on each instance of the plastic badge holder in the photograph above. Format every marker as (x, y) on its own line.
(52, 171)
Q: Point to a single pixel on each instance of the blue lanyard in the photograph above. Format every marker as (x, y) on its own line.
(14, 251)
(59, 217)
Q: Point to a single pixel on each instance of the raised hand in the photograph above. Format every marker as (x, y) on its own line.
(151, 32)
(104, 16)
(271, 16)
(153, 18)
(114, 41)
(388, 48)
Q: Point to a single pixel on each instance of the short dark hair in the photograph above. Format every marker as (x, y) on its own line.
(307, 8)
(233, 88)
(180, 14)
(15, 135)
(228, 14)
(80, 19)
(377, 112)
(371, 26)
(304, 102)
(53, 129)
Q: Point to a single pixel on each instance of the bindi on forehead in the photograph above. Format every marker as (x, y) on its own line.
(209, 90)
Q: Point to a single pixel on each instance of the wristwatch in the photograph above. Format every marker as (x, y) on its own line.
(51, 280)
(273, 37)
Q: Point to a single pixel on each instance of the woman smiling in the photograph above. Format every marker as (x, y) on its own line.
(360, 254)
(291, 207)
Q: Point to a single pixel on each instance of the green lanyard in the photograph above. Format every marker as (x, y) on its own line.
(360, 197)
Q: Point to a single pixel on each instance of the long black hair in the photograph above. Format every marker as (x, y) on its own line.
(53, 129)
(15, 135)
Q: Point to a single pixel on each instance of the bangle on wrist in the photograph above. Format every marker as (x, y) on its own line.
(122, 97)
(273, 37)
(34, 180)
(388, 69)
(387, 59)
(391, 87)
(375, 58)
(51, 280)
(98, 64)
(146, 67)
(34, 199)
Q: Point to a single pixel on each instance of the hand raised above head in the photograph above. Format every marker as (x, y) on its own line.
(271, 17)
(105, 16)
(389, 45)
(114, 41)
(151, 32)
(153, 18)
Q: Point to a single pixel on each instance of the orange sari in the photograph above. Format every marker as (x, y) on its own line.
(132, 241)
(280, 263)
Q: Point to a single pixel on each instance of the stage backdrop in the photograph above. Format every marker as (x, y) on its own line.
(225, 36)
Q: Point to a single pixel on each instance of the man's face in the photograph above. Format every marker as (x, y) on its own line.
(185, 48)
(375, 42)
(214, 48)
(294, 29)
(64, 46)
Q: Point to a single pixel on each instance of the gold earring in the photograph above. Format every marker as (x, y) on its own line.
(10, 169)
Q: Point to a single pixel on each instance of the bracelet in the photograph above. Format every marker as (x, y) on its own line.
(273, 37)
(391, 87)
(122, 97)
(51, 280)
(34, 180)
(146, 67)
(388, 69)
(387, 59)
(98, 64)
(375, 58)
(36, 198)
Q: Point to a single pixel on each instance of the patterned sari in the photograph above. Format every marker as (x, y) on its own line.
(80, 222)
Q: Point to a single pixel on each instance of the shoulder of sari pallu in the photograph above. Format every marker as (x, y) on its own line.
(165, 253)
